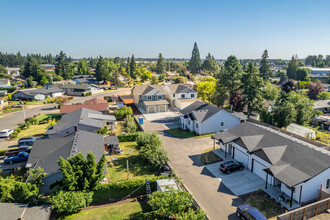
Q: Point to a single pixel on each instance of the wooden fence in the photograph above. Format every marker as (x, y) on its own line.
(307, 211)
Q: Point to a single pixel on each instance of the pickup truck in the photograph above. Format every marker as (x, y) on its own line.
(20, 157)
(26, 149)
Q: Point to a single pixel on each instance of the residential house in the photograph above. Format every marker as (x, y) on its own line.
(14, 211)
(150, 98)
(4, 83)
(46, 152)
(13, 71)
(94, 104)
(48, 67)
(58, 83)
(180, 95)
(38, 94)
(80, 89)
(205, 118)
(322, 105)
(319, 71)
(79, 118)
(321, 78)
(164, 185)
(85, 79)
(111, 144)
(290, 166)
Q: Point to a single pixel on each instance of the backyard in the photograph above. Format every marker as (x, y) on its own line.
(114, 212)
(138, 168)
(263, 203)
(186, 134)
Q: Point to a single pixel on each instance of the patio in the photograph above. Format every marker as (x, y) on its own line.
(258, 182)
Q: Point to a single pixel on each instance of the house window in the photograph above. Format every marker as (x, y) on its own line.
(183, 96)
(173, 95)
(192, 95)
(159, 97)
(149, 97)
(328, 184)
(189, 122)
(196, 125)
(222, 124)
(140, 96)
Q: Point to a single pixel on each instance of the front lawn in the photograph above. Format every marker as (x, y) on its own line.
(33, 130)
(263, 203)
(40, 102)
(138, 168)
(48, 116)
(208, 157)
(186, 134)
(115, 212)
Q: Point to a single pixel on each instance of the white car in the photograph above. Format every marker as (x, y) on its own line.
(6, 132)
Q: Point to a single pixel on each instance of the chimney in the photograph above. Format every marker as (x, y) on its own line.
(76, 128)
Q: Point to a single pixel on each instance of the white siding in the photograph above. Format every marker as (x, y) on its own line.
(57, 94)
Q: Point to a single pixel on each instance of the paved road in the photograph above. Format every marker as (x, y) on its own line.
(10, 121)
(213, 197)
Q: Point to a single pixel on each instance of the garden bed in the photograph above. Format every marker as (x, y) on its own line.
(177, 132)
(208, 157)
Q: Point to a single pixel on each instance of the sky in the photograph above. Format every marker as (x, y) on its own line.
(243, 28)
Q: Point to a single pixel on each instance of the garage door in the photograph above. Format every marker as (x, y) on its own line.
(240, 156)
(162, 108)
(257, 169)
(152, 109)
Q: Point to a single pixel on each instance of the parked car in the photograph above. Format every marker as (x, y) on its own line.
(230, 166)
(27, 139)
(26, 149)
(6, 132)
(25, 143)
(247, 212)
(20, 157)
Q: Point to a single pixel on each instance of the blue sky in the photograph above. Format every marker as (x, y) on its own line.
(243, 28)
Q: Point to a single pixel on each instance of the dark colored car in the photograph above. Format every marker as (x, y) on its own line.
(230, 166)
(247, 212)
(26, 149)
(27, 139)
(20, 157)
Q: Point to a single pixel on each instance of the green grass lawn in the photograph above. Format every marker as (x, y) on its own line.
(138, 168)
(208, 157)
(322, 137)
(185, 134)
(41, 102)
(116, 212)
(50, 116)
(33, 130)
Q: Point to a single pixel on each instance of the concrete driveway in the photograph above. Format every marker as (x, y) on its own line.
(210, 193)
(238, 182)
(7, 167)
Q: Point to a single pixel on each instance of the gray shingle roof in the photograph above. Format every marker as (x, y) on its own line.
(75, 86)
(200, 111)
(44, 91)
(13, 211)
(293, 161)
(111, 140)
(79, 116)
(46, 152)
(148, 89)
(178, 88)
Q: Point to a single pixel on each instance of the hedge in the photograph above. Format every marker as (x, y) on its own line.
(9, 89)
(128, 137)
(2, 152)
(118, 190)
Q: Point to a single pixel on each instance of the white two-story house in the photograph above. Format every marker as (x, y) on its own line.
(180, 95)
(291, 166)
(150, 98)
(204, 118)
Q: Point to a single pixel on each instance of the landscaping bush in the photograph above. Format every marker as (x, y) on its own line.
(128, 137)
(2, 152)
(7, 109)
(70, 202)
(9, 89)
(123, 112)
(130, 124)
(88, 93)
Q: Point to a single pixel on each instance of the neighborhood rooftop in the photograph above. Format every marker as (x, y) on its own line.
(148, 89)
(179, 88)
(293, 161)
(14, 211)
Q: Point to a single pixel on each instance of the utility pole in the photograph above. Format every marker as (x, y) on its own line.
(23, 111)
(127, 169)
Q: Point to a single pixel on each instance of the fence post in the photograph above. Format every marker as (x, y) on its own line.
(328, 204)
(304, 212)
(315, 210)
(291, 216)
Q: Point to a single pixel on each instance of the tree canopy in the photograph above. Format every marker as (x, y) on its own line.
(195, 61)
(62, 67)
(160, 66)
(264, 69)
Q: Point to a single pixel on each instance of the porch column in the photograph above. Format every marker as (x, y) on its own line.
(214, 143)
(266, 180)
(225, 151)
(291, 197)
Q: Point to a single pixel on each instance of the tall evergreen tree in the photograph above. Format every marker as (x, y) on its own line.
(160, 67)
(265, 71)
(133, 67)
(101, 70)
(32, 69)
(209, 65)
(229, 80)
(128, 67)
(62, 66)
(251, 88)
(291, 71)
(195, 61)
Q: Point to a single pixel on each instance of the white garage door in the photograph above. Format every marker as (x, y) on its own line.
(152, 109)
(241, 157)
(162, 108)
(257, 169)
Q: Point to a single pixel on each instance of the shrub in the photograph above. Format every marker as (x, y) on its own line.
(70, 202)
(102, 131)
(9, 89)
(128, 137)
(82, 94)
(2, 152)
(88, 93)
(130, 124)
(123, 112)
(199, 214)
(7, 109)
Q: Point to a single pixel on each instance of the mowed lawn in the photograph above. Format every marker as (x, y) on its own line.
(186, 134)
(33, 130)
(138, 168)
(116, 212)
